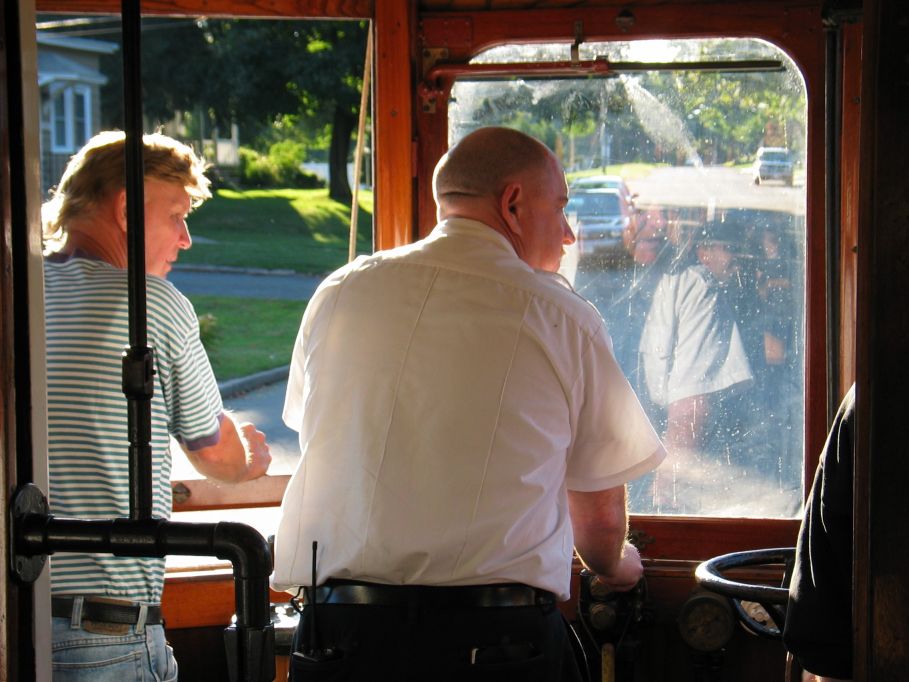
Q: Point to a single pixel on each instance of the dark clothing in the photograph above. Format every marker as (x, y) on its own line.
(818, 628)
(433, 638)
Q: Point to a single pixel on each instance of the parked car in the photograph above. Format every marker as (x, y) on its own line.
(604, 182)
(772, 163)
(600, 216)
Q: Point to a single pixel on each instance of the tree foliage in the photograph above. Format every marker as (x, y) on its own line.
(675, 116)
(275, 79)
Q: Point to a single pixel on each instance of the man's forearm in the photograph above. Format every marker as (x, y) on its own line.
(239, 455)
(600, 525)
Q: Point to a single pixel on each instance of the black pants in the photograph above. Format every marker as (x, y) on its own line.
(431, 644)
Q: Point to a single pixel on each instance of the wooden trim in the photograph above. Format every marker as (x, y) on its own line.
(206, 494)
(850, 197)
(263, 9)
(780, 22)
(881, 553)
(10, 592)
(393, 124)
(202, 598)
(699, 538)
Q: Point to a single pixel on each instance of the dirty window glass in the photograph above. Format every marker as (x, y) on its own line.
(687, 195)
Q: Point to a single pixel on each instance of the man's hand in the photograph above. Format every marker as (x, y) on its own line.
(628, 571)
(241, 454)
(258, 457)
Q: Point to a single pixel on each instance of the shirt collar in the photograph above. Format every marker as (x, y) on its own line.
(472, 228)
(480, 230)
(61, 257)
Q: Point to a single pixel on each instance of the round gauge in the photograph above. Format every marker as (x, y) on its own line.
(706, 621)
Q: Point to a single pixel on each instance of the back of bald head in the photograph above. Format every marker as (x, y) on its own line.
(485, 161)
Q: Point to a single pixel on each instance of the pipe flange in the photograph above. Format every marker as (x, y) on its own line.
(28, 501)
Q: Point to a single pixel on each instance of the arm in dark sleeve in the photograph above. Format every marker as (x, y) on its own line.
(818, 628)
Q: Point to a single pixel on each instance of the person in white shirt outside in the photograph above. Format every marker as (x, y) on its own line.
(106, 615)
(694, 361)
(463, 426)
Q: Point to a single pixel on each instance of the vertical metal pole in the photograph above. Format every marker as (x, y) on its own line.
(833, 116)
(138, 360)
(358, 156)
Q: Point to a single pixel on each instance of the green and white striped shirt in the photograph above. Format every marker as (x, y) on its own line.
(86, 304)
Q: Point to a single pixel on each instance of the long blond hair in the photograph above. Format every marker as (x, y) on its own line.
(98, 170)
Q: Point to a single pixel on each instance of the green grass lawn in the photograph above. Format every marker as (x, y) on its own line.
(247, 335)
(277, 229)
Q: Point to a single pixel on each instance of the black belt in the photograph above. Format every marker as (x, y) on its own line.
(468, 596)
(105, 612)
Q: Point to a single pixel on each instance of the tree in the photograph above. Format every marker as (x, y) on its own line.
(311, 69)
(273, 78)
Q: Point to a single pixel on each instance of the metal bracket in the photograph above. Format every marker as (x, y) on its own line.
(28, 500)
(578, 39)
(429, 91)
(180, 493)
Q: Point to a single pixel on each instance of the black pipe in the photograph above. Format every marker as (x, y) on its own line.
(251, 642)
(138, 359)
(832, 189)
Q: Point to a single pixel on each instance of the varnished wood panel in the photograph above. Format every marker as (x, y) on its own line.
(9, 642)
(202, 598)
(851, 189)
(698, 539)
(393, 122)
(882, 375)
(207, 494)
(314, 9)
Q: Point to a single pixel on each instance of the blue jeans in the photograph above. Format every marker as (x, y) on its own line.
(82, 656)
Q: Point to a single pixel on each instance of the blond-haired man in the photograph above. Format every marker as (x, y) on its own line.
(106, 609)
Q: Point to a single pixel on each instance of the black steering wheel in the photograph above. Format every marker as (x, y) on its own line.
(709, 575)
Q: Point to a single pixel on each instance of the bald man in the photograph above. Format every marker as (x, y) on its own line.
(463, 425)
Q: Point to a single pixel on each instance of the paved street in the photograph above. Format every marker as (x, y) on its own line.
(717, 187)
(244, 284)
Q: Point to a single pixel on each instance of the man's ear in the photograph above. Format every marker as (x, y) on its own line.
(120, 209)
(509, 203)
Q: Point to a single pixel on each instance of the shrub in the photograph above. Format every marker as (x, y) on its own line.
(280, 168)
(208, 331)
(255, 170)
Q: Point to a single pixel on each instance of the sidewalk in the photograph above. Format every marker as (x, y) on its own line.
(234, 388)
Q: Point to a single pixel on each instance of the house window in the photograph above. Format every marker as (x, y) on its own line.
(70, 117)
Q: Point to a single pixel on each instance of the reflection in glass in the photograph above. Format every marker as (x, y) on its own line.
(696, 266)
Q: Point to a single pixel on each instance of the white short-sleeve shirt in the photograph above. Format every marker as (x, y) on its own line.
(691, 345)
(447, 396)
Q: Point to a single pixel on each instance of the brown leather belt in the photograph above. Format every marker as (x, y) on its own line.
(105, 612)
(468, 596)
